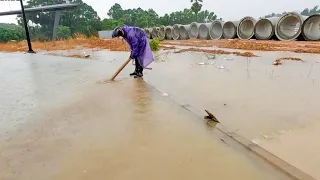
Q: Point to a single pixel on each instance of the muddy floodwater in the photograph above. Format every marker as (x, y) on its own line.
(276, 107)
(58, 121)
(273, 106)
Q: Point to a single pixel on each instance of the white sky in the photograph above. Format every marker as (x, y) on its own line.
(226, 9)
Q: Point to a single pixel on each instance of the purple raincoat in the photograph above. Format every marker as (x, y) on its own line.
(139, 45)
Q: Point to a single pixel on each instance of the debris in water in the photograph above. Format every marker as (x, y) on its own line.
(210, 117)
(210, 56)
(221, 67)
(278, 61)
(165, 94)
(245, 54)
(207, 63)
(224, 141)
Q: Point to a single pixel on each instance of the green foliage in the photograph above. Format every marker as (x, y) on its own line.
(82, 19)
(10, 32)
(149, 18)
(110, 24)
(196, 7)
(64, 32)
(154, 44)
(309, 12)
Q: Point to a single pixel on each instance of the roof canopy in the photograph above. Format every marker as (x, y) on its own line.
(55, 7)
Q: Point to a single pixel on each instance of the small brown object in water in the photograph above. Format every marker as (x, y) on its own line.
(278, 61)
(211, 116)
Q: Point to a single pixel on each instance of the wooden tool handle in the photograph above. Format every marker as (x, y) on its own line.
(120, 69)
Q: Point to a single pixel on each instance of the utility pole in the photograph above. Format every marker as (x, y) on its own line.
(26, 28)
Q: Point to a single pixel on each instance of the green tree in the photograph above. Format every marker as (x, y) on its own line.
(64, 32)
(149, 18)
(115, 12)
(196, 7)
(82, 19)
(110, 24)
(309, 12)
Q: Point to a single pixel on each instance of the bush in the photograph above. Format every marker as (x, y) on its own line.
(154, 44)
(64, 32)
(7, 34)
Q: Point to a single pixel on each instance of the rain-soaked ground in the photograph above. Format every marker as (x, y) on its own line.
(274, 106)
(52, 107)
(57, 121)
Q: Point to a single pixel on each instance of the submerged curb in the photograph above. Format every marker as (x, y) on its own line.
(270, 158)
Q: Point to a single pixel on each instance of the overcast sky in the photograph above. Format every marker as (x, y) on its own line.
(226, 9)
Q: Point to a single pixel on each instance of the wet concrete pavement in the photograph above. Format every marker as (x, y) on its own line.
(59, 122)
(274, 106)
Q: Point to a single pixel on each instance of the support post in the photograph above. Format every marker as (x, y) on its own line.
(56, 25)
(26, 28)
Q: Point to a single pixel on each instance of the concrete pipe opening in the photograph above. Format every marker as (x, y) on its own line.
(161, 33)
(184, 32)
(216, 30)
(264, 29)
(246, 28)
(289, 27)
(148, 33)
(229, 30)
(204, 31)
(311, 28)
(194, 30)
(168, 33)
(154, 32)
(176, 32)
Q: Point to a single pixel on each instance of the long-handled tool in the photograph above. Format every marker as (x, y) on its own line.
(120, 69)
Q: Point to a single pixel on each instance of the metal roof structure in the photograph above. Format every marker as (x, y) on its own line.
(55, 7)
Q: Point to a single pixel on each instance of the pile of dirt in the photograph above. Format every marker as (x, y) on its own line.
(245, 54)
(262, 45)
(111, 44)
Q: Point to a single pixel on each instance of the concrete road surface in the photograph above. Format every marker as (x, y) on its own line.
(58, 122)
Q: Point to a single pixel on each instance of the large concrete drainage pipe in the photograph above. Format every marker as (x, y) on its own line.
(176, 31)
(184, 32)
(229, 29)
(204, 31)
(194, 30)
(289, 26)
(246, 28)
(155, 32)
(311, 28)
(168, 32)
(264, 28)
(162, 32)
(148, 32)
(216, 30)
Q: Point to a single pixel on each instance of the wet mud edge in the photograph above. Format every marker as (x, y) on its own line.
(270, 158)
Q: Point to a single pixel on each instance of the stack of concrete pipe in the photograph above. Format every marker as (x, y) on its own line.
(216, 29)
(290, 26)
(245, 28)
(155, 32)
(168, 32)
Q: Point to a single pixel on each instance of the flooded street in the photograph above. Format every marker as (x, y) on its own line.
(274, 106)
(58, 122)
